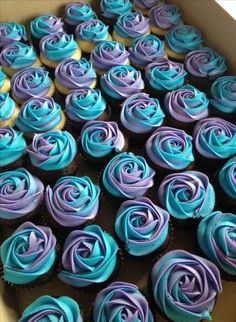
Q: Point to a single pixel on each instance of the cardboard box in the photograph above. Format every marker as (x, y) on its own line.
(220, 33)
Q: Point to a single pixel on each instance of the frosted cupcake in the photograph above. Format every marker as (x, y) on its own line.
(11, 32)
(146, 5)
(8, 110)
(5, 83)
(112, 9)
(226, 179)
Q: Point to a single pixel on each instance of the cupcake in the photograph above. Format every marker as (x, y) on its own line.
(73, 74)
(21, 195)
(11, 32)
(53, 154)
(72, 202)
(31, 82)
(223, 97)
(119, 83)
(108, 54)
(140, 115)
(129, 26)
(185, 106)
(89, 258)
(195, 283)
(112, 9)
(204, 65)
(43, 26)
(56, 47)
(28, 255)
(5, 84)
(145, 50)
(143, 227)
(216, 240)
(163, 76)
(182, 39)
(215, 141)
(90, 33)
(12, 148)
(83, 105)
(38, 115)
(16, 56)
(146, 5)
(227, 183)
(127, 176)
(100, 141)
(169, 150)
(188, 196)
(52, 308)
(163, 18)
(8, 110)
(123, 301)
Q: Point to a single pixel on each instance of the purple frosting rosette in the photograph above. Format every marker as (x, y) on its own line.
(165, 16)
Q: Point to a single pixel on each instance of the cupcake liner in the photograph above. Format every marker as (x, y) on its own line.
(187, 127)
(209, 166)
(214, 112)
(14, 165)
(113, 103)
(202, 83)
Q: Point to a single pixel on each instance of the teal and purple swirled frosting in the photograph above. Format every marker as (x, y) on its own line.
(20, 193)
(85, 104)
(145, 50)
(205, 63)
(28, 254)
(170, 148)
(127, 176)
(115, 8)
(216, 237)
(92, 30)
(2, 77)
(10, 32)
(100, 138)
(147, 4)
(72, 201)
(183, 39)
(89, 257)
(141, 113)
(121, 301)
(215, 138)
(142, 226)
(39, 115)
(121, 82)
(187, 104)
(7, 106)
(52, 150)
(187, 195)
(165, 16)
(12, 145)
(165, 75)
(108, 54)
(59, 46)
(78, 12)
(185, 286)
(227, 178)
(223, 94)
(18, 55)
(45, 25)
(49, 308)
(132, 25)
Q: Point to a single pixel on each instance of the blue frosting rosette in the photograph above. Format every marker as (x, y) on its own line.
(45, 25)
(227, 178)
(113, 8)
(78, 12)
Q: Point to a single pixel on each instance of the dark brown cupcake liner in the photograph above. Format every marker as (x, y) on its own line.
(206, 165)
(214, 112)
(19, 163)
(201, 83)
(187, 127)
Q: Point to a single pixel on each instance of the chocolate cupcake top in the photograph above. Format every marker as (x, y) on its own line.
(170, 148)
(92, 30)
(78, 12)
(223, 94)
(12, 145)
(141, 113)
(10, 32)
(165, 75)
(45, 25)
(215, 138)
(128, 176)
(113, 8)
(227, 178)
(121, 301)
(205, 63)
(100, 139)
(121, 82)
(84, 104)
(185, 286)
(165, 16)
(145, 50)
(52, 150)
(147, 4)
(187, 104)
(72, 201)
(46, 307)
(7, 107)
(89, 257)
(187, 195)
(183, 39)
(142, 226)
(20, 193)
